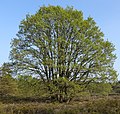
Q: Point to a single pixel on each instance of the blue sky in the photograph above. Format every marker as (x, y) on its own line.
(106, 13)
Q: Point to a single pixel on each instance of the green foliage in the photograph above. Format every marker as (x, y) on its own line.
(6, 69)
(61, 48)
(29, 86)
(8, 85)
(99, 88)
(60, 42)
(63, 89)
(116, 87)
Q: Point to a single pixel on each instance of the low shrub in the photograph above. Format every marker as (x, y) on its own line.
(106, 105)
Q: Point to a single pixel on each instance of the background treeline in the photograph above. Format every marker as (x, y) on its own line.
(24, 88)
(28, 86)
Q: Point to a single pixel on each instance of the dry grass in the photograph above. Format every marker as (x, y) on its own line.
(93, 105)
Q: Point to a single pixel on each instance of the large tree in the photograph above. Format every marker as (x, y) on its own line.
(60, 43)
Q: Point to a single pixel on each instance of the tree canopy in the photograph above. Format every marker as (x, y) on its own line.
(59, 43)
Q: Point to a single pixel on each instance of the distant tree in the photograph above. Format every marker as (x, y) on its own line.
(29, 86)
(57, 42)
(116, 87)
(5, 69)
(8, 85)
(99, 88)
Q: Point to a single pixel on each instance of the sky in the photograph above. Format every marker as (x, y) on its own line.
(106, 14)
